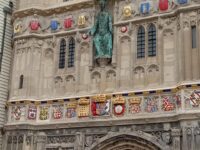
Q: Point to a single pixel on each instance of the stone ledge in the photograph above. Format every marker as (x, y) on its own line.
(103, 123)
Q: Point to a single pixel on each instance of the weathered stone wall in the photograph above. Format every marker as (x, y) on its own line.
(181, 135)
(62, 108)
(175, 61)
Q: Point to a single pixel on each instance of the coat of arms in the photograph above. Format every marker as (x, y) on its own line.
(57, 111)
(44, 113)
(32, 112)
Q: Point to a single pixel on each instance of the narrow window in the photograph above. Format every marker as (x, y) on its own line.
(62, 54)
(152, 40)
(71, 53)
(141, 42)
(194, 37)
(21, 81)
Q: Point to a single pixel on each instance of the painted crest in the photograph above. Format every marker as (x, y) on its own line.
(100, 108)
(57, 111)
(195, 98)
(18, 28)
(18, 113)
(145, 7)
(119, 105)
(71, 110)
(151, 104)
(168, 104)
(127, 11)
(81, 20)
(68, 22)
(54, 25)
(135, 105)
(163, 5)
(182, 1)
(44, 113)
(32, 112)
(83, 107)
(34, 25)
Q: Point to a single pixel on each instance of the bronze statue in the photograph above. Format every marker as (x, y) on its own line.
(102, 32)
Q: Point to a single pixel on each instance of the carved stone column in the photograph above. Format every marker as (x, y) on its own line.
(41, 141)
(187, 51)
(176, 143)
(79, 144)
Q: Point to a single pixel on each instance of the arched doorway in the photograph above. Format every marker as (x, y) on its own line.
(128, 141)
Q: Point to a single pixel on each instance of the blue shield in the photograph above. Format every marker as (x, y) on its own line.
(145, 8)
(54, 25)
(182, 1)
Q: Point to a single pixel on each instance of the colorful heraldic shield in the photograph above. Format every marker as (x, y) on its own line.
(135, 105)
(54, 25)
(151, 104)
(34, 25)
(119, 106)
(192, 98)
(57, 111)
(32, 112)
(83, 108)
(18, 113)
(18, 28)
(182, 1)
(71, 110)
(145, 7)
(100, 106)
(168, 103)
(44, 113)
(68, 22)
(163, 5)
(127, 11)
(81, 20)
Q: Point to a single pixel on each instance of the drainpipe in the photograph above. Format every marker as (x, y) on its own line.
(7, 11)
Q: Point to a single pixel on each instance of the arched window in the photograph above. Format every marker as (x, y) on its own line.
(152, 40)
(21, 81)
(71, 52)
(141, 42)
(62, 54)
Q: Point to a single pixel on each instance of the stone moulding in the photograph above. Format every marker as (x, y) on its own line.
(76, 4)
(134, 135)
(179, 103)
(110, 95)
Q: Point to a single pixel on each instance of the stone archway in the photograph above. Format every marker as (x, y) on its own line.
(128, 141)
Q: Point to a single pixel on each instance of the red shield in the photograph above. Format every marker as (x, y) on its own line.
(163, 5)
(68, 23)
(34, 25)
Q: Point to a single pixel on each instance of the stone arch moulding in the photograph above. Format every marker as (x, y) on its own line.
(122, 141)
(125, 37)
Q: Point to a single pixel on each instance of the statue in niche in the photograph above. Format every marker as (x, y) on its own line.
(102, 32)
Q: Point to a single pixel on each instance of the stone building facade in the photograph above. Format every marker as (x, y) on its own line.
(146, 97)
(5, 57)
